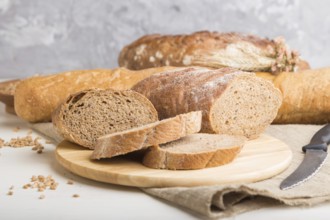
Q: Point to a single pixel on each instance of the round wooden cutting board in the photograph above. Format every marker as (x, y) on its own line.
(259, 159)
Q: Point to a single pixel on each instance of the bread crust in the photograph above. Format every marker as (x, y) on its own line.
(210, 49)
(37, 97)
(159, 132)
(159, 158)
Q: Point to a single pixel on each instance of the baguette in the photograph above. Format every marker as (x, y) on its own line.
(195, 151)
(233, 102)
(158, 132)
(211, 49)
(89, 114)
(306, 96)
(37, 97)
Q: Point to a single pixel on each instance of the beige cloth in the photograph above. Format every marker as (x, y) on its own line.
(227, 200)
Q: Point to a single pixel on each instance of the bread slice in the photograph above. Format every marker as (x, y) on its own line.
(159, 132)
(195, 151)
(90, 114)
(233, 102)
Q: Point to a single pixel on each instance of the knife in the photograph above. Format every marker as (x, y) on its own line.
(315, 156)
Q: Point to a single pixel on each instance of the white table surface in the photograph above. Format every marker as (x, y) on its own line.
(97, 200)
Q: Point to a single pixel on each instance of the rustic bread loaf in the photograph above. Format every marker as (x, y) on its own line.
(306, 96)
(233, 102)
(210, 49)
(158, 132)
(37, 97)
(195, 151)
(90, 114)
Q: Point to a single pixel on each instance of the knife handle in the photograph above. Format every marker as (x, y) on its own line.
(322, 136)
(320, 140)
(323, 146)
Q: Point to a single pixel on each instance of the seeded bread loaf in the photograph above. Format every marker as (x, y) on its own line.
(159, 132)
(90, 114)
(233, 102)
(195, 151)
(211, 49)
(37, 97)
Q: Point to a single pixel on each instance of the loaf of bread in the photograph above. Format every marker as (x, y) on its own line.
(210, 49)
(37, 97)
(89, 114)
(306, 96)
(155, 133)
(233, 102)
(195, 151)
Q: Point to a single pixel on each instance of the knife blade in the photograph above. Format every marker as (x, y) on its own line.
(315, 156)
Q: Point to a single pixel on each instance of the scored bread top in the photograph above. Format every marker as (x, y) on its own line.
(211, 49)
(90, 114)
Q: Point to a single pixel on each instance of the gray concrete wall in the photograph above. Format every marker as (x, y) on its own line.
(46, 36)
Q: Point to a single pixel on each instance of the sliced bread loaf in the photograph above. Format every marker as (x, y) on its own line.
(90, 114)
(233, 102)
(159, 132)
(195, 151)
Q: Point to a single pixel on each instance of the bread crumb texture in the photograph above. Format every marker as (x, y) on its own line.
(91, 114)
